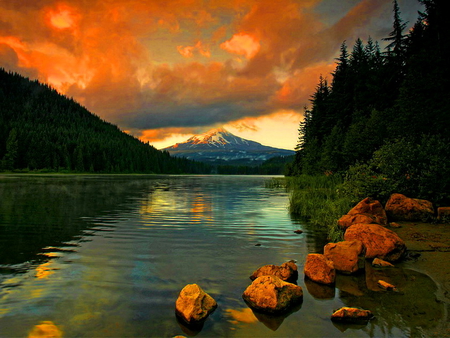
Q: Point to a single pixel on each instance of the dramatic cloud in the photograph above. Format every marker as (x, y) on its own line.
(242, 44)
(158, 68)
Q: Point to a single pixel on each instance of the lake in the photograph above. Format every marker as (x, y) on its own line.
(106, 256)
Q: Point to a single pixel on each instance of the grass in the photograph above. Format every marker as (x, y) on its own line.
(317, 199)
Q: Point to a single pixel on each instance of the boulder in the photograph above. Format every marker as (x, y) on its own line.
(443, 212)
(367, 211)
(371, 207)
(345, 255)
(402, 208)
(269, 294)
(379, 263)
(193, 304)
(351, 315)
(286, 271)
(378, 241)
(319, 269)
(348, 220)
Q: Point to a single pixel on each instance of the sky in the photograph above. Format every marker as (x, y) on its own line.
(164, 70)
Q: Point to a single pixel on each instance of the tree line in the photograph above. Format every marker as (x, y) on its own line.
(41, 129)
(385, 114)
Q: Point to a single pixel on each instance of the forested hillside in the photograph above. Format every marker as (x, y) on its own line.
(43, 130)
(383, 116)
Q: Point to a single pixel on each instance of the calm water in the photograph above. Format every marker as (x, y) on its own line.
(106, 256)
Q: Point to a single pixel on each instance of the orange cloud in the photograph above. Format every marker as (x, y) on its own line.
(61, 18)
(119, 58)
(298, 88)
(188, 51)
(242, 44)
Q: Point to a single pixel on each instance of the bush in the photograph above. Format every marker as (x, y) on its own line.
(416, 169)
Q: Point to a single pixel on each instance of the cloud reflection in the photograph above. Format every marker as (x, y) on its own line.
(45, 329)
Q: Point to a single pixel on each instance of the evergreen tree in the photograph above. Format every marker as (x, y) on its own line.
(12, 147)
(377, 97)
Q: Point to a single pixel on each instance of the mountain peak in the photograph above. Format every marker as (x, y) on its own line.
(214, 137)
(220, 146)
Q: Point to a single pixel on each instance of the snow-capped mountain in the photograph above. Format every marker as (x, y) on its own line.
(222, 147)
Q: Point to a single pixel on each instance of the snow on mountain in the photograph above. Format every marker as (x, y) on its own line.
(220, 146)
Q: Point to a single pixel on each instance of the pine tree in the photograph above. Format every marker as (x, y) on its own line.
(12, 148)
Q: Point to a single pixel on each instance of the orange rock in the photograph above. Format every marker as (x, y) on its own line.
(378, 241)
(319, 269)
(371, 207)
(386, 286)
(193, 304)
(351, 315)
(402, 208)
(379, 263)
(443, 212)
(286, 271)
(345, 255)
(270, 294)
(348, 220)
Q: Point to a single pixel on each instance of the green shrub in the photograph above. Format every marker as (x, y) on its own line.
(416, 169)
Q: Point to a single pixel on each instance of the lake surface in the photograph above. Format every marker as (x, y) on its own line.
(106, 256)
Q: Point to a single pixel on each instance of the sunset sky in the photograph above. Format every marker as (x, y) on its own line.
(164, 70)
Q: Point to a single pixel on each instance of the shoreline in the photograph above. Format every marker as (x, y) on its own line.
(432, 242)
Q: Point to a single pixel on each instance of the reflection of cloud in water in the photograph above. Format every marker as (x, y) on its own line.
(44, 270)
(242, 316)
(46, 329)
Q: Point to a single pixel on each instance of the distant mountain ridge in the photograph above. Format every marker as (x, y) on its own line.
(219, 146)
(43, 130)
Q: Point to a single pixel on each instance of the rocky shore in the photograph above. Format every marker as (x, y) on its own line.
(387, 259)
(429, 252)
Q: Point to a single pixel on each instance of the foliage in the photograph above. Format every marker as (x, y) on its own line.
(376, 97)
(317, 198)
(415, 169)
(382, 123)
(43, 130)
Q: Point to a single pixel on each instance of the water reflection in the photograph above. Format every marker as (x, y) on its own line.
(413, 309)
(107, 256)
(46, 329)
(244, 315)
(273, 322)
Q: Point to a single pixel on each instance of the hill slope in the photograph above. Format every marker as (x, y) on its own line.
(219, 146)
(41, 129)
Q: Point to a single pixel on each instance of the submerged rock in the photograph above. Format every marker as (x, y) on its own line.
(379, 263)
(402, 208)
(345, 255)
(269, 294)
(351, 315)
(194, 305)
(378, 241)
(286, 271)
(319, 269)
(386, 286)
